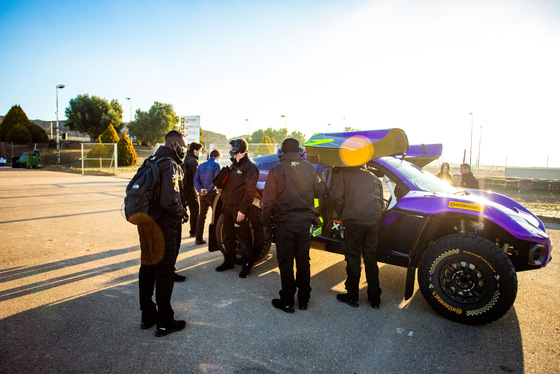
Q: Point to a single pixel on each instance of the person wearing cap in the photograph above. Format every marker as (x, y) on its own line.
(237, 198)
(357, 197)
(289, 193)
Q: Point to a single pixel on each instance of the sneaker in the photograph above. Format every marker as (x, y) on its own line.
(283, 307)
(179, 278)
(200, 242)
(245, 270)
(345, 298)
(225, 266)
(172, 327)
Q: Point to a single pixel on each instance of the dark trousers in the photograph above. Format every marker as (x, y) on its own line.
(159, 243)
(236, 233)
(361, 240)
(206, 201)
(194, 208)
(292, 242)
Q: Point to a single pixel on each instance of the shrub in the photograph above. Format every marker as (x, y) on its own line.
(109, 135)
(16, 116)
(18, 134)
(38, 135)
(96, 152)
(126, 153)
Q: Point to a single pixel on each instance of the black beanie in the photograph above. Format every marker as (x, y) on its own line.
(290, 145)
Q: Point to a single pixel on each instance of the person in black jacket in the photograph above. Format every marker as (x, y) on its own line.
(237, 198)
(189, 166)
(467, 178)
(357, 197)
(289, 193)
(160, 241)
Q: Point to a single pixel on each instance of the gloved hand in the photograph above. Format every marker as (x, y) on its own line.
(185, 218)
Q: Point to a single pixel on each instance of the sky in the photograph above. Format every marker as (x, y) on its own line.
(422, 66)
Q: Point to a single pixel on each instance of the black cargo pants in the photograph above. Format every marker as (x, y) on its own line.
(361, 240)
(292, 243)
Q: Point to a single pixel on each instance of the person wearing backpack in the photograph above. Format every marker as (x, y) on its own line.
(160, 240)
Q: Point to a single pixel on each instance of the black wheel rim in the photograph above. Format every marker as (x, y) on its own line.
(464, 281)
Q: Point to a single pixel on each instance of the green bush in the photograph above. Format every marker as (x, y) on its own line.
(16, 116)
(98, 151)
(126, 153)
(18, 134)
(38, 135)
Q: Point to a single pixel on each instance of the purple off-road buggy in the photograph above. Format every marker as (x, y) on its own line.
(466, 244)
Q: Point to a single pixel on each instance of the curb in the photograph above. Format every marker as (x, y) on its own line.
(546, 219)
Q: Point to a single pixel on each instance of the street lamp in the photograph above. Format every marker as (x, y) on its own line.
(479, 142)
(470, 152)
(130, 113)
(57, 127)
(284, 116)
(248, 133)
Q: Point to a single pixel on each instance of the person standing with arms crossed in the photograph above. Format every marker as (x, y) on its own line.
(357, 197)
(160, 241)
(289, 193)
(237, 198)
(203, 178)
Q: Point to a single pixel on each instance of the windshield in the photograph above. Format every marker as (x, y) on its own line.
(421, 179)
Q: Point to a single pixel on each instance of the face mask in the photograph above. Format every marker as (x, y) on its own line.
(181, 154)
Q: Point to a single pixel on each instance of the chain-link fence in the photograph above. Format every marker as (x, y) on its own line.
(511, 178)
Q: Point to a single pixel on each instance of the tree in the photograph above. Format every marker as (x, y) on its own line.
(299, 136)
(126, 153)
(91, 115)
(19, 134)
(109, 135)
(150, 127)
(350, 129)
(31, 131)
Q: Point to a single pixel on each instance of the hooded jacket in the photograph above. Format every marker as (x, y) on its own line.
(171, 198)
(290, 190)
(241, 186)
(357, 195)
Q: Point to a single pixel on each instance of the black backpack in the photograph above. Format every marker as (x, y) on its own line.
(141, 204)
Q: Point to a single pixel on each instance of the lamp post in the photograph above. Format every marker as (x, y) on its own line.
(248, 132)
(130, 112)
(57, 127)
(284, 116)
(470, 152)
(479, 142)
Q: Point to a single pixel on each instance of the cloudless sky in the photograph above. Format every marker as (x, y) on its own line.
(422, 66)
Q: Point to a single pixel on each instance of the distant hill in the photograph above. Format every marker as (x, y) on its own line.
(213, 137)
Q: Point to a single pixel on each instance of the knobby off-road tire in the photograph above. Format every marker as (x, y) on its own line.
(259, 239)
(467, 279)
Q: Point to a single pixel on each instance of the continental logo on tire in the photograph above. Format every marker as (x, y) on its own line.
(445, 305)
(441, 257)
(466, 206)
(483, 259)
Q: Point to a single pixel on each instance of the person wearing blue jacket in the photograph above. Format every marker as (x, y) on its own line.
(203, 178)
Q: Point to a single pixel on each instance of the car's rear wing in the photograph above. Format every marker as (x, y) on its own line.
(356, 147)
(422, 154)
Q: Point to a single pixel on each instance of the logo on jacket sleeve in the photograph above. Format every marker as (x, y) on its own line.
(295, 163)
(239, 172)
(176, 177)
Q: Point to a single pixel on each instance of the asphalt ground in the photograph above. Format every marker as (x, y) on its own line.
(69, 303)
